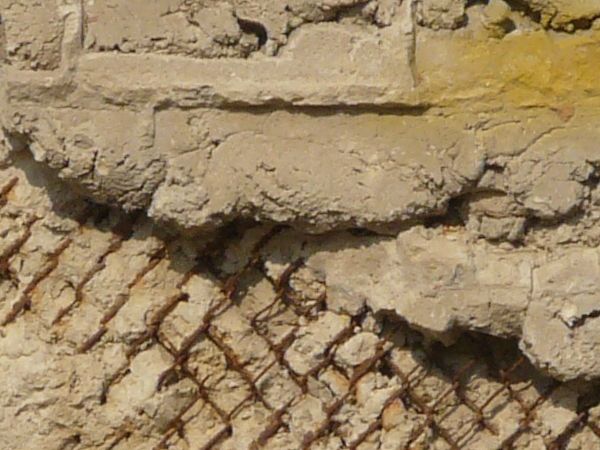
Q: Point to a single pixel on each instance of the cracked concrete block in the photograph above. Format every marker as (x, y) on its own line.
(263, 173)
(456, 280)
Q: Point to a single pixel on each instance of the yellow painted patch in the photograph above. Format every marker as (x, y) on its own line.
(534, 69)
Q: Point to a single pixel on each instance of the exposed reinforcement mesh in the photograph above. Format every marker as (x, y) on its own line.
(242, 352)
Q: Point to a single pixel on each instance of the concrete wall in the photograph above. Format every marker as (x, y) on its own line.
(432, 160)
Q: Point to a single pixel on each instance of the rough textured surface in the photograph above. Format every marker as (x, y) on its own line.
(116, 335)
(375, 136)
(431, 164)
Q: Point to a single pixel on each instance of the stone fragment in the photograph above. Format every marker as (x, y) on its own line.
(565, 14)
(372, 392)
(560, 330)
(497, 18)
(441, 14)
(441, 283)
(356, 350)
(308, 350)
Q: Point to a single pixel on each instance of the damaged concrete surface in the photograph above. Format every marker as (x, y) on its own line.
(434, 161)
(388, 131)
(119, 334)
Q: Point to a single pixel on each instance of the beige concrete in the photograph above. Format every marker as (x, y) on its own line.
(433, 161)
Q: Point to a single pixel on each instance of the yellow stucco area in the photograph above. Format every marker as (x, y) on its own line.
(540, 68)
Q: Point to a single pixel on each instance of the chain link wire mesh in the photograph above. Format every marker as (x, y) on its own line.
(263, 357)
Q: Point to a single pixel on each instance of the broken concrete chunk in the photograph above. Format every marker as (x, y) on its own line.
(565, 14)
(560, 329)
(246, 166)
(441, 283)
(309, 348)
(497, 18)
(463, 285)
(441, 14)
(356, 350)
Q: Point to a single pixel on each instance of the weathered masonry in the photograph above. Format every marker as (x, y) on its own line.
(291, 196)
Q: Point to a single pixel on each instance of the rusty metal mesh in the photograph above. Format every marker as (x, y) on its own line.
(479, 393)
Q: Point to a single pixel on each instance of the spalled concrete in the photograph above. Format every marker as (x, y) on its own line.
(445, 152)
